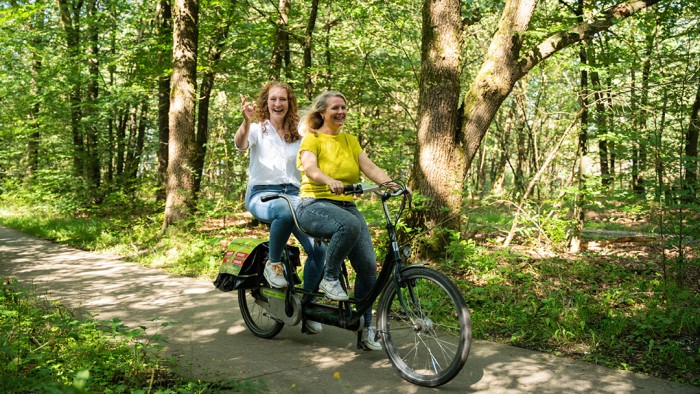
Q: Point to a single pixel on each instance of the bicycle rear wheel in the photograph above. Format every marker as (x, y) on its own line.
(429, 337)
(261, 323)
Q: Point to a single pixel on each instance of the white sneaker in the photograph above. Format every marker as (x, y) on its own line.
(333, 290)
(369, 337)
(275, 275)
(313, 327)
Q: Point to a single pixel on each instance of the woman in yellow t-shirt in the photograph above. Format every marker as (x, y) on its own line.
(331, 159)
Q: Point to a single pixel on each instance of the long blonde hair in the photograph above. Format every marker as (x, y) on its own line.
(291, 119)
(312, 120)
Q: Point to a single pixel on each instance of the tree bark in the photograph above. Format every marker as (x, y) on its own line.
(580, 198)
(70, 20)
(165, 37)
(91, 135)
(439, 165)
(690, 163)
(308, 49)
(181, 145)
(280, 51)
(600, 120)
(34, 140)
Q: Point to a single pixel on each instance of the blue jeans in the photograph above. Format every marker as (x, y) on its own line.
(278, 215)
(346, 229)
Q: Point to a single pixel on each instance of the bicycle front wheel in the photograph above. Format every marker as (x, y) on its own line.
(259, 321)
(425, 327)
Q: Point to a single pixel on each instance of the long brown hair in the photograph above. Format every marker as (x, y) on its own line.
(291, 119)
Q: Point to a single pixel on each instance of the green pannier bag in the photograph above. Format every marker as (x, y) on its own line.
(244, 262)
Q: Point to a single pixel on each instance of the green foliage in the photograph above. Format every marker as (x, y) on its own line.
(45, 348)
(590, 308)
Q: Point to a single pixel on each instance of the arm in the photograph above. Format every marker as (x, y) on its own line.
(309, 162)
(376, 174)
(241, 137)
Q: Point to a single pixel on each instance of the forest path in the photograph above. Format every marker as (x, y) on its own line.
(210, 341)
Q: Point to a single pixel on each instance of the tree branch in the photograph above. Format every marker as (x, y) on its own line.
(581, 32)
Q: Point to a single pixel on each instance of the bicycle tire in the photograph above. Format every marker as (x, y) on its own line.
(428, 342)
(256, 318)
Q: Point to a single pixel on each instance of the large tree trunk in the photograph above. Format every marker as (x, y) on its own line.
(503, 66)
(183, 97)
(165, 37)
(439, 165)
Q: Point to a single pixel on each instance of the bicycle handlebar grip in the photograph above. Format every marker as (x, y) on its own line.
(269, 197)
(355, 188)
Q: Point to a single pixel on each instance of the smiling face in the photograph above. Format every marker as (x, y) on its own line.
(335, 114)
(277, 103)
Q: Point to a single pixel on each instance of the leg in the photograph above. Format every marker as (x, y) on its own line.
(313, 267)
(328, 220)
(364, 262)
(278, 215)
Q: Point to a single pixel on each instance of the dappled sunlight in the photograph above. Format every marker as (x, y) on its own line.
(208, 338)
(206, 332)
(237, 329)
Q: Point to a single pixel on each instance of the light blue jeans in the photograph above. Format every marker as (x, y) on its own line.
(278, 215)
(346, 229)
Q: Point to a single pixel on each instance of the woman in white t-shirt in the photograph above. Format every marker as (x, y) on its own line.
(274, 144)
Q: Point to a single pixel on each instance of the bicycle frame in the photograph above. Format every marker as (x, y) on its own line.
(342, 315)
(422, 319)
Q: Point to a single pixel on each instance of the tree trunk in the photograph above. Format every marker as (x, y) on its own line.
(439, 165)
(601, 122)
(91, 140)
(202, 137)
(181, 145)
(280, 51)
(498, 174)
(502, 67)
(121, 144)
(308, 49)
(690, 163)
(137, 127)
(35, 136)
(165, 37)
(70, 19)
(580, 199)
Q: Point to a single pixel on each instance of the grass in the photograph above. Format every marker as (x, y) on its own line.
(45, 348)
(625, 305)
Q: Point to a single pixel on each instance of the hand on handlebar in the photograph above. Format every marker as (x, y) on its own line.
(336, 187)
(397, 187)
(392, 187)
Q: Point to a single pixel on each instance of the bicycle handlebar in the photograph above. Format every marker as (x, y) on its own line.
(384, 190)
(360, 188)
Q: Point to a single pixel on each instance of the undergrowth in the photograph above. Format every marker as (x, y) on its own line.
(45, 348)
(622, 308)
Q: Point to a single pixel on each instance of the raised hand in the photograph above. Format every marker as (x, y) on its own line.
(247, 109)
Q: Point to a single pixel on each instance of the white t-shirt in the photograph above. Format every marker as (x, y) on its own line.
(272, 161)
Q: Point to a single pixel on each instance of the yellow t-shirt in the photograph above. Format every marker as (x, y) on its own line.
(338, 156)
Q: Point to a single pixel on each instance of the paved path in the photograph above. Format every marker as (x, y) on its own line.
(210, 340)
